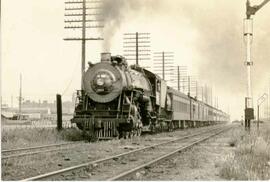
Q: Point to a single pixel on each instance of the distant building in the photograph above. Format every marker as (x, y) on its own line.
(38, 109)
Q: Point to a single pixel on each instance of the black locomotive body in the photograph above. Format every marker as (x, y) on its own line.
(120, 101)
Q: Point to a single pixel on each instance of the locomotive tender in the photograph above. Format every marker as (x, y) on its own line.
(120, 101)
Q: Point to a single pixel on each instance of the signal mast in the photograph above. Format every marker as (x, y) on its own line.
(248, 34)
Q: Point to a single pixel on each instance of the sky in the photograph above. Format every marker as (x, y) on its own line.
(206, 36)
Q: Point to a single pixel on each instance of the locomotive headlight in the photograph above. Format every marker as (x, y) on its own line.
(100, 81)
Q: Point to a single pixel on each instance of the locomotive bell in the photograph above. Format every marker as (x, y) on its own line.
(106, 57)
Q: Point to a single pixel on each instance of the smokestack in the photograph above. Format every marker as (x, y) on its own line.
(106, 57)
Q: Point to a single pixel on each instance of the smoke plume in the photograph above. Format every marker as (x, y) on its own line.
(115, 12)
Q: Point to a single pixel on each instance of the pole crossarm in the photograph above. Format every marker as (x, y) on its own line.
(139, 42)
(135, 54)
(139, 46)
(140, 59)
(130, 50)
(86, 14)
(132, 34)
(81, 2)
(81, 21)
(75, 27)
(76, 9)
(134, 38)
(75, 39)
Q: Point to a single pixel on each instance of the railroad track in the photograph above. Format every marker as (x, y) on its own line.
(116, 168)
(20, 152)
(27, 151)
(132, 172)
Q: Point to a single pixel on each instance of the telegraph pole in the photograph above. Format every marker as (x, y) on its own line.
(78, 18)
(188, 85)
(193, 86)
(179, 73)
(268, 102)
(11, 101)
(248, 34)
(20, 97)
(206, 94)
(211, 96)
(196, 89)
(163, 63)
(163, 66)
(178, 78)
(202, 93)
(137, 47)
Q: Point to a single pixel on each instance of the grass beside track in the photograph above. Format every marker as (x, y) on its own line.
(251, 157)
(25, 137)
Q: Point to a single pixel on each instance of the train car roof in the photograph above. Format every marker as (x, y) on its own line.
(176, 92)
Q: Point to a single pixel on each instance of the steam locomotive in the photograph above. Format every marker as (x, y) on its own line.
(122, 101)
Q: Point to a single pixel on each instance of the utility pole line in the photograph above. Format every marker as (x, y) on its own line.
(193, 84)
(202, 94)
(188, 85)
(11, 101)
(211, 96)
(83, 42)
(163, 66)
(178, 78)
(196, 89)
(163, 63)
(80, 16)
(178, 75)
(136, 47)
(20, 97)
(206, 94)
(268, 101)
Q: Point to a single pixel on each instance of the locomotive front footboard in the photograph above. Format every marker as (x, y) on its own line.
(102, 128)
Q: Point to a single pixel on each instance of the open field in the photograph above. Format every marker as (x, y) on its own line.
(26, 137)
(251, 157)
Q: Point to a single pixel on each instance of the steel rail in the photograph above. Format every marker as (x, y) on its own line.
(159, 159)
(37, 147)
(6, 156)
(64, 170)
(32, 153)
